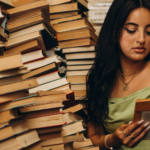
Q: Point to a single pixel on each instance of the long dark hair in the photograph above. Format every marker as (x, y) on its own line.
(102, 75)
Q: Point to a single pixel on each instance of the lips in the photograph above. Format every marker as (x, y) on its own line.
(139, 49)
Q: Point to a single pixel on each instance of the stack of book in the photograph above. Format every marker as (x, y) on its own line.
(85, 145)
(14, 133)
(32, 93)
(76, 38)
(98, 10)
(4, 5)
(62, 137)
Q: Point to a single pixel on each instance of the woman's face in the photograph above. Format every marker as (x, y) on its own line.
(135, 35)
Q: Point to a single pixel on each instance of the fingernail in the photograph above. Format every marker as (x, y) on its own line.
(146, 124)
(130, 122)
(141, 121)
(148, 127)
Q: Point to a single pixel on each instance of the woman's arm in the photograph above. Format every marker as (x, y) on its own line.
(96, 139)
(126, 134)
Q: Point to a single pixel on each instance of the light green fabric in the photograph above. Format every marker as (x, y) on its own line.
(121, 111)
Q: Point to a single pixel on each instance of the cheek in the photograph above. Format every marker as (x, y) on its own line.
(126, 40)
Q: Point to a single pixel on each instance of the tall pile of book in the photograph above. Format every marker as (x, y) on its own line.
(97, 12)
(14, 134)
(32, 93)
(76, 38)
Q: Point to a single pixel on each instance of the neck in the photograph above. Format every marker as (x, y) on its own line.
(130, 67)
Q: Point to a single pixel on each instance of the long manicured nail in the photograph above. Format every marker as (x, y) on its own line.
(146, 124)
(148, 127)
(130, 122)
(141, 121)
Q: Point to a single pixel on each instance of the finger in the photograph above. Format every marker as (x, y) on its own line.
(136, 132)
(137, 139)
(132, 127)
(123, 127)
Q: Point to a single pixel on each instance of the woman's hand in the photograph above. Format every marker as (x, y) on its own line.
(129, 134)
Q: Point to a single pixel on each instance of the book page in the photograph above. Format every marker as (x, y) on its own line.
(145, 115)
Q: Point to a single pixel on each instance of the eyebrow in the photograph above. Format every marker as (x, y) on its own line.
(131, 23)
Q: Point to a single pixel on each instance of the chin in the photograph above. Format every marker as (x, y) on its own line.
(138, 58)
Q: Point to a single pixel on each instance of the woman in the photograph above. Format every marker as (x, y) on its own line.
(119, 76)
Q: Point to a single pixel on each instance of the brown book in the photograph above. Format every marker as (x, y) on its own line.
(33, 56)
(21, 141)
(49, 130)
(67, 7)
(26, 47)
(33, 20)
(21, 2)
(56, 2)
(67, 146)
(40, 63)
(45, 121)
(74, 138)
(6, 3)
(39, 113)
(76, 73)
(29, 7)
(18, 103)
(76, 43)
(73, 109)
(77, 79)
(24, 16)
(10, 79)
(75, 87)
(12, 130)
(74, 24)
(85, 143)
(41, 107)
(80, 93)
(63, 15)
(76, 34)
(11, 96)
(77, 109)
(42, 70)
(49, 85)
(8, 115)
(87, 55)
(55, 138)
(43, 37)
(13, 42)
(48, 77)
(7, 62)
(30, 29)
(79, 62)
(48, 136)
(89, 148)
(52, 141)
(36, 146)
(73, 128)
(65, 19)
(13, 72)
(70, 117)
(18, 86)
(80, 67)
(78, 49)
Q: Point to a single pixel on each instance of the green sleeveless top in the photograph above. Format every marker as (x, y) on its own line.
(121, 111)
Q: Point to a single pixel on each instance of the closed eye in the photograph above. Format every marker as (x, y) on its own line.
(130, 31)
(148, 33)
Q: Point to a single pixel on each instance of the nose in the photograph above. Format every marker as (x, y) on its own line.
(141, 37)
